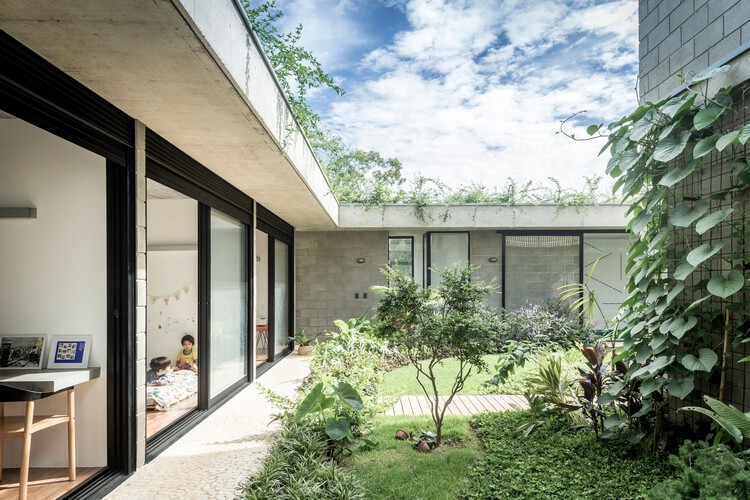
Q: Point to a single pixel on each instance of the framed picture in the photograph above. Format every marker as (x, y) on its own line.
(22, 351)
(69, 351)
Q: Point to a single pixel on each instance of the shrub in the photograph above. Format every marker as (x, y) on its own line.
(297, 467)
(354, 356)
(705, 472)
(549, 324)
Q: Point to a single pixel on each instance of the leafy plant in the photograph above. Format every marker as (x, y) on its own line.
(327, 408)
(429, 326)
(302, 338)
(691, 237)
(547, 325)
(732, 421)
(297, 466)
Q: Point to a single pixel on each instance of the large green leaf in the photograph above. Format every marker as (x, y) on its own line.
(660, 363)
(313, 402)
(705, 361)
(696, 303)
(677, 174)
(681, 387)
(741, 169)
(705, 145)
(674, 292)
(679, 326)
(684, 215)
(724, 286)
(707, 116)
(639, 222)
(678, 105)
(349, 395)
(650, 385)
(744, 134)
(670, 147)
(703, 252)
(683, 271)
(727, 139)
(337, 429)
(711, 219)
(642, 127)
(731, 429)
(731, 415)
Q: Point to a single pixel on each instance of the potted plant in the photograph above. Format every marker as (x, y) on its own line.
(303, 341)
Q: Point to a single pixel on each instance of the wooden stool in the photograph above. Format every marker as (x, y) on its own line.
(22, 427)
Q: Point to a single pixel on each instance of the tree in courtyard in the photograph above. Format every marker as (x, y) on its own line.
(430, 325)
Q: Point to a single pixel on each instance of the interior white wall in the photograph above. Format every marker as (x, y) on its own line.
(172, 306)
(261, 277)
(53, 275)
(172, 275)
(418, 251)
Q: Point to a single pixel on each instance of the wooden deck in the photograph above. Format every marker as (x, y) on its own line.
(461, 405)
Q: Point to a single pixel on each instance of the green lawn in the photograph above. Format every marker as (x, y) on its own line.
(393, 470)
(403, 381)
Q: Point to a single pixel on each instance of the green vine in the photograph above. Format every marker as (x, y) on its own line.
(664, 158)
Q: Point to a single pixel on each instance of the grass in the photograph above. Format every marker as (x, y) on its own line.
(403, 381)
(393, 470)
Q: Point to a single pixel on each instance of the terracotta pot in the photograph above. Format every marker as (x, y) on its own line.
(304, 350)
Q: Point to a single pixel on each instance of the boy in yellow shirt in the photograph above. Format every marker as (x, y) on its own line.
(187, 358)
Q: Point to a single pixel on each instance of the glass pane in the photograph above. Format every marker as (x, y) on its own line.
(261, 297)
(229, 302)
(447, 249)
(172, 306)
(537, 266)
(400, 255)
(281, 295)
(608, 279)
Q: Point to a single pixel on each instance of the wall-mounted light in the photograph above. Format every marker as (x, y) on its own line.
(257, 258)
(493, 259)
(360, 260)
(17, 213)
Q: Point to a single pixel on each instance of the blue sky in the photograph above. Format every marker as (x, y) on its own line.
(474, 91)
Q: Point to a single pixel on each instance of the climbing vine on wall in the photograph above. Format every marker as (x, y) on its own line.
(688, 266)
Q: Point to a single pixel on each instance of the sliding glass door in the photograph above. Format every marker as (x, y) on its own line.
(281, 296)
(229, 302)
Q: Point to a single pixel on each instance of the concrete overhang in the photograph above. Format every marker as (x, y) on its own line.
(192, 72)
(484, 217)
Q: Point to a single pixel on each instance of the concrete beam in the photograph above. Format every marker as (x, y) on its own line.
(190, 71)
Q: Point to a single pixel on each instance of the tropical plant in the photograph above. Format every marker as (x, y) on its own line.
(429, 325)
(302, 338)
(328, 406)
(547, 325)
(675, 263)
(733, 422)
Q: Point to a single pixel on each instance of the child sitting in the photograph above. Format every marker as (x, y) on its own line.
(187, 358)
(160, 367)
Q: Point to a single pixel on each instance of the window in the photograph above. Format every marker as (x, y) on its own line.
(401, 254)
(445, 250)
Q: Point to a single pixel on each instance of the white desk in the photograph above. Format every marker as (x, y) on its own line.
(42, 380)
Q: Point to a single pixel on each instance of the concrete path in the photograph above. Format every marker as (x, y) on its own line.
(461, 405)
(223, 450)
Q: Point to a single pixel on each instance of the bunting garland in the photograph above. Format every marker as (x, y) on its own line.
(177, 295)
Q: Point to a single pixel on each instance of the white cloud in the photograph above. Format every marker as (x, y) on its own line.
(475, 91)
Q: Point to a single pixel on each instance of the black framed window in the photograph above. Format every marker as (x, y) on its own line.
(401, 254)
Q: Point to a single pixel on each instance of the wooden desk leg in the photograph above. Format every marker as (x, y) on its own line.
(71, 435)
(25, 457)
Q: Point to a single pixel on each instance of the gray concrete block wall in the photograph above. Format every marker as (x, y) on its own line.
(328, 276)
(140, 282)
(486, 245)
(679, 36)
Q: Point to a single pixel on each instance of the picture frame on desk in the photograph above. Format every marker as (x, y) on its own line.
(69, 351)
(22, 351)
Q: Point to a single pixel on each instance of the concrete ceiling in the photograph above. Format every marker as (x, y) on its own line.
(145, 58)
